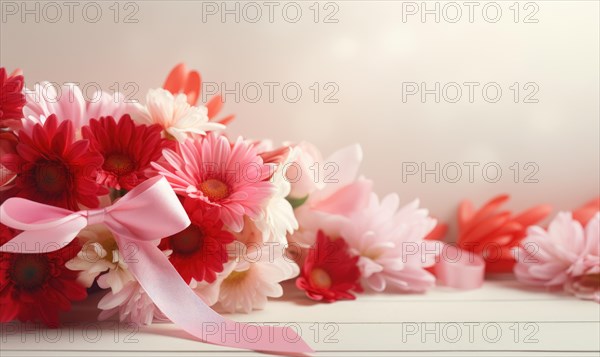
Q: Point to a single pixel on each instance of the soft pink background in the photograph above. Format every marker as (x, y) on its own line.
(368, 53)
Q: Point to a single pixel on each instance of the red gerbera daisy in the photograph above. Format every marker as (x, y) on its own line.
(329, 271)
(127, 148)
(8, 145)
(199, 251)
(53, 168)
(12, 99)
(37, 286)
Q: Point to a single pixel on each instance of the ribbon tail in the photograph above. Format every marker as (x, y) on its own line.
(185, 309)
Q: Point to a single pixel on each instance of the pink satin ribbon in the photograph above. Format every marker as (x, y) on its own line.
(458, 268)
(142, 217)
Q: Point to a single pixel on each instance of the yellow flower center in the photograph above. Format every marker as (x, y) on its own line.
(110, 246)
(214, 189)
(320, 278)
(236, 276)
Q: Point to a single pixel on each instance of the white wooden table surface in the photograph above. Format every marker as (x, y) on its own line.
(501, 319)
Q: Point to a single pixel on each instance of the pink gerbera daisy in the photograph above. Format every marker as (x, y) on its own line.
(54, 168)
(231, 179)
(127, 148)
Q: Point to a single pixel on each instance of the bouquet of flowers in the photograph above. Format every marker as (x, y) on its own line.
(167, 213)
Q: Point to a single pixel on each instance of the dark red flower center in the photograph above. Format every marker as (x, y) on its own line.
(188, 241)
(51, 177)
(214, 189)
(119, 164)
(320, 278)
(30, 271)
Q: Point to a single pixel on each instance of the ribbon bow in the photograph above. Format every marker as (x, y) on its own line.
(147, 213)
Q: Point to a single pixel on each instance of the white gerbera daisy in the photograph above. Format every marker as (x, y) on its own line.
(255, 276)
(179, 119)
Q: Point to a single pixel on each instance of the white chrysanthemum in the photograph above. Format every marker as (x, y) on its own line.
(255, 277)
(279, 218)
(390, 243)
(100, 254)
(174, 114)
(132, 304)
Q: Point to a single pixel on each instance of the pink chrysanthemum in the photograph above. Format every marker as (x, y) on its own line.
(566, 254)
(132, 304)
(389, 241)
(128, 149)
(229, 178)
(69, 103)
(54, 168)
